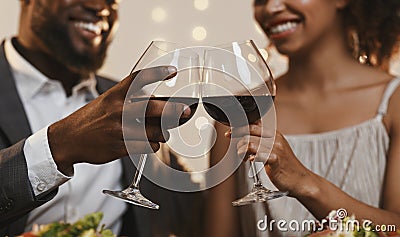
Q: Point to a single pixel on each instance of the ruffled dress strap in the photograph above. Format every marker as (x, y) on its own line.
(390, 89)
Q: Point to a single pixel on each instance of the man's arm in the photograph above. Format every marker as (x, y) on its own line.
(93, 134)
(16, 194)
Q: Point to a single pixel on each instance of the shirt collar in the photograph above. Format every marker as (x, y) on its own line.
(24, 73)
(87, 86)
(30, 81)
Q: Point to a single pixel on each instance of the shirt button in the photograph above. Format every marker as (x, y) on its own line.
(46, 88)
(40, 187)
(9, 205)
(72, 213)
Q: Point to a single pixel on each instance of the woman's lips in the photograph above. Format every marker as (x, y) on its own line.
(282, 29)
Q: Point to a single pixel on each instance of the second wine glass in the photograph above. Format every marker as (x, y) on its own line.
(238, 89)
(182, 88)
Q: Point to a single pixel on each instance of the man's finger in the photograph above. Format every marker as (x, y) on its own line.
(150, 132)
(141, 147)
(156, 108)
(140, 78)
(150, 75)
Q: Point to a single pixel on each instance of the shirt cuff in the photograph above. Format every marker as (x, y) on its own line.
(42, 170)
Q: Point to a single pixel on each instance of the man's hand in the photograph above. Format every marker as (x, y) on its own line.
(94, 133)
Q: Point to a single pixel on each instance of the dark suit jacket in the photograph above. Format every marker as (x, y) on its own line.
(16, 194)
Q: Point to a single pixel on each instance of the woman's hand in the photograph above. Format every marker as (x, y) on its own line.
(285, 171)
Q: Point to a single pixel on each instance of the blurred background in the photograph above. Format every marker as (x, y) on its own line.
(187, 22)
(190, 22)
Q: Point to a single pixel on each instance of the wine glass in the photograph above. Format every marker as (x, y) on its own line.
(182, 88)
(238, 89)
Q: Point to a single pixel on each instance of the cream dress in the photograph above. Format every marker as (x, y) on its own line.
(352, 158)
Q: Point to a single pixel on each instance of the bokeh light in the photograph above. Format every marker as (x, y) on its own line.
(199, 33)
(201, 5)
(251, 57)
(258, 29)
(158, 14)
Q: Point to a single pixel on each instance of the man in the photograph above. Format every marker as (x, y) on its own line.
(47, 72)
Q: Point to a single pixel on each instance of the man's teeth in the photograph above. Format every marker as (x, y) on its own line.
(96, 28)
(283, 27)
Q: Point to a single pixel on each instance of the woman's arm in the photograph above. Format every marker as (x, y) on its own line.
(222, 219)
(317, 194)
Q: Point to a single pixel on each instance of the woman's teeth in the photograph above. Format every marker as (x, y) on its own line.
(277, 29)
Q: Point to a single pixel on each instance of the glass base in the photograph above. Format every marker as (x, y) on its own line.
(132, 196)
(258, 194)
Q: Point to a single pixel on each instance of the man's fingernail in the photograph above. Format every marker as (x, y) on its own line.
(186, 110)
(252, 157)
(171, 70)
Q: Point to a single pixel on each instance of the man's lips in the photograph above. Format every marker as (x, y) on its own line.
(95, 28)
(91, 32)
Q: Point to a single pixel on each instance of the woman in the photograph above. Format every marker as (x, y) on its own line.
(337, 106)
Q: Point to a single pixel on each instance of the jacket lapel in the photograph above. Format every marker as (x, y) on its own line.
(13, 120)
(103, 84)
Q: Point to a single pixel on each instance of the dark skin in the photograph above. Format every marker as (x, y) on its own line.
(325, 89)
(36, 51)
(322, 82)
(97, 127)
(51, 68)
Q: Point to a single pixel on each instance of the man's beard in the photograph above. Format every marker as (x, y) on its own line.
(56, 38)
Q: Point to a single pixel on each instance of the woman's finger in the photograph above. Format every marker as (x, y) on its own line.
(252, 129)
(259, 149)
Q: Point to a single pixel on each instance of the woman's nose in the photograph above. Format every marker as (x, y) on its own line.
(274, 6)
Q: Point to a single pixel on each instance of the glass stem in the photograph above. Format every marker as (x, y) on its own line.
(139, 171)
(257, 181)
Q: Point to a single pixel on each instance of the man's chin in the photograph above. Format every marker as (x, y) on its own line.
(85, 69)
(84, 63)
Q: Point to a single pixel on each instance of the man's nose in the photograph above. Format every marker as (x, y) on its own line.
(100, 7)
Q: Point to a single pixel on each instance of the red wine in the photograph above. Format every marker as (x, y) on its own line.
(178, 120)
(237, 111)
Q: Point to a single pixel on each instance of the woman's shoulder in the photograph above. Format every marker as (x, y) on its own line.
(392, 118)
(393, 93)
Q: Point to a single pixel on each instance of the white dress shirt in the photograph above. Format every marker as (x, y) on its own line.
(45, 102)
